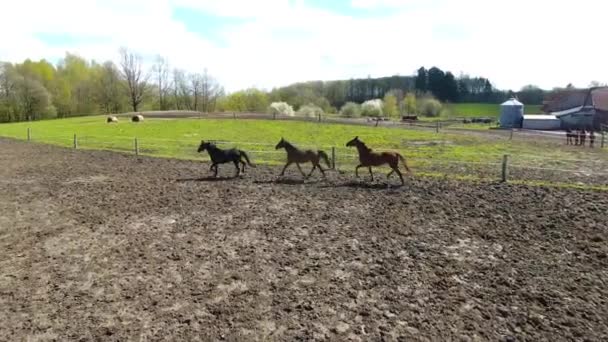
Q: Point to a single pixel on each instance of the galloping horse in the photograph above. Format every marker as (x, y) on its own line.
(295, 155)
(368, 158)
(219, 156)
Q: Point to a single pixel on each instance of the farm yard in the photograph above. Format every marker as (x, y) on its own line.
(541, 159)
(99, 245)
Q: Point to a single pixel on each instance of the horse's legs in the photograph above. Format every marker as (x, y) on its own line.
(357, 170)
(215, 170)
(238, 170)
(390, 173)
(299, 168)
(371, 173)
(321, 169)
(400, 175)
(312, 170)
(243, 166)
(285, 168)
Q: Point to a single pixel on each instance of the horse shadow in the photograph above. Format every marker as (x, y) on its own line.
(364, 185)
(287, 181)
(207, 179)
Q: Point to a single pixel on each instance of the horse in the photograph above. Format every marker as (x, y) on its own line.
(369, 158)
(569, 136)
(219, 156)
(297, 156)
(582, 137)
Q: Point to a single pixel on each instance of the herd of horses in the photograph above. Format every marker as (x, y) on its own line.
(367, 158)
(579, 137)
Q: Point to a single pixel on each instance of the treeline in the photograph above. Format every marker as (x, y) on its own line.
(433, 82)
(74, 86)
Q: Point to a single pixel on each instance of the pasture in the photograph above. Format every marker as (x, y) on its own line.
(455, 153)
(98, 245)
(488, 110)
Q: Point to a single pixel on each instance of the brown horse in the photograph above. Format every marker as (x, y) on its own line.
(297, 156)
(368, 158)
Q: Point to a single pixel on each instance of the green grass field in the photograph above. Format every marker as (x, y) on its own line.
(482, 110)
(179, 139)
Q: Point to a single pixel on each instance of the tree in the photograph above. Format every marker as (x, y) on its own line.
(409, 104)
(137, 81)
(210, 92)
(449, 88)
(350, 110)
(33, 98)
(161, 75)
(390, 105)
(372, 108)
(436, 82)
(108, 94)
(422, 81)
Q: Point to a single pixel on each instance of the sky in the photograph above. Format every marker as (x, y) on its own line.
(264, 44)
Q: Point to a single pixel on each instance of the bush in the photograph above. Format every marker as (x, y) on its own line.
(429, 107)
(350, 110)
(310, 111)
(281, 108)
(372, 108)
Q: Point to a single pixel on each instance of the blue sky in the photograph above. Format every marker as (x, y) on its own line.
(246, 43)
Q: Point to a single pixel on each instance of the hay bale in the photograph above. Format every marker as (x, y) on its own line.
(112, 119)
(137, 118)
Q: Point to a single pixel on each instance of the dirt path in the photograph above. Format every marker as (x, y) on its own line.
(102, 246)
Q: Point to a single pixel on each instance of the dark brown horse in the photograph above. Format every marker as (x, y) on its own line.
(297, 156)
(369, 158)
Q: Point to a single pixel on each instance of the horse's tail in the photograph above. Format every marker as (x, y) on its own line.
(325, 157)
(244, 155)
(404, 163)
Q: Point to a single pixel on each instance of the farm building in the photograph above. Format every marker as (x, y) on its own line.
(579, 108)
(511, 114)
(542, 122)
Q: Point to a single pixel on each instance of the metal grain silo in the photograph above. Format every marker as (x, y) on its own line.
(511, 114)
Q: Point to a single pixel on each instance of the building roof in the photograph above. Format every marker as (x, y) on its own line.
(540, 117)
(599, 97)
(571, 99)
(512, 102)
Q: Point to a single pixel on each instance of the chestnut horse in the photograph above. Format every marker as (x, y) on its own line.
(368, 158)
(297, 156)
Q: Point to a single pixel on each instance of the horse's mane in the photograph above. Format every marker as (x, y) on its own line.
(365, 146)
(288, 144)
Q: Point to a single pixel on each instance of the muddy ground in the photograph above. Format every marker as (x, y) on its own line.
(104, 246)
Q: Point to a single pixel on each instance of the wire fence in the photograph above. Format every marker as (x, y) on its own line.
(487, 166)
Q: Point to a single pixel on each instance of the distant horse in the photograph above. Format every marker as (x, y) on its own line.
(112, 119)
(368, 158)
(219, 156)
(297, 156)
(569, 136)
(582, 137)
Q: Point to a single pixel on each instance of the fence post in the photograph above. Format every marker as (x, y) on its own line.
(511, 135)
(234, 115)
(29, 134)
(437, 127)
(603, 139)
(505, 161)
(136, 147)
(333, 158)
(75, 142)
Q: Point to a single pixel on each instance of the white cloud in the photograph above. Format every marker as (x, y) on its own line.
(283, 41)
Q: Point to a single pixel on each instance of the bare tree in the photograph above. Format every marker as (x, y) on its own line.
(181, 90)
(210, 92)
(195, 83)
(137, 81)
(161, 73)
